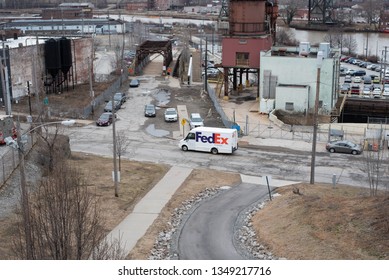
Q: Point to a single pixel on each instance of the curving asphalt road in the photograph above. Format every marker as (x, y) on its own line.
(208, 232)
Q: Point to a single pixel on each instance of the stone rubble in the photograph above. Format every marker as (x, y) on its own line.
(246, 240)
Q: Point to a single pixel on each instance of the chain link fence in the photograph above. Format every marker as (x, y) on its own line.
(278, 130)
(9, 159)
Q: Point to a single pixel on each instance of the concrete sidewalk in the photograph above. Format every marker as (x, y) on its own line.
(135, 225)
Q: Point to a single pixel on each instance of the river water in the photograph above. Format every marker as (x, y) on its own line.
(375, 42)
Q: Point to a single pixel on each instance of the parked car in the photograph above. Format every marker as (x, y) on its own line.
(359, 73)
(371, 66)
(377, 92)
(386, 92)
(366, 80)
(357, 79)
(150, 110)
(105, 119)
(120, 97)
(344, 146)
(378, 68)
(195, 120)
(366, 91)
(345, 88)
(344, 58)
(347, 79)
(108, 106)
(355, 89)
(171, 115)
(376, 80)
(134, 83)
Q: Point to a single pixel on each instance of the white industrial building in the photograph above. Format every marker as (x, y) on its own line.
(289, 77)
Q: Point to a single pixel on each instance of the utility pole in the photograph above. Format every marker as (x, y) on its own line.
(109, 31)
(115, 167)
(91, 92)
(5, 83)
(206, 66)
(315, 116)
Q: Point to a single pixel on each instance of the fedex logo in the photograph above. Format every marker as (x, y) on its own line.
(214, 138)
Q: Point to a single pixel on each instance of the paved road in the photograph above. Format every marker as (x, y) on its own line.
(208, 232)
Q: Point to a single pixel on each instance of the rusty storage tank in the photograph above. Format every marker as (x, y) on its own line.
(52, 57)
(247, 17)
(66, 55)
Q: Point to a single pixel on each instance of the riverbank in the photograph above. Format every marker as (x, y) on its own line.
(354, 28)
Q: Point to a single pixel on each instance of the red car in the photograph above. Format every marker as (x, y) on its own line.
(105, 119)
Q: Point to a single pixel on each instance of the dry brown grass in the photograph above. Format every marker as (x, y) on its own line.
(325, 223)
(137, 178)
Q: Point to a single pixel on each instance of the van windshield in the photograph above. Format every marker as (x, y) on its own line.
(190, 136)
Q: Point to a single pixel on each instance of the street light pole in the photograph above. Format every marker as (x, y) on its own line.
(315, 115)
(25, 202)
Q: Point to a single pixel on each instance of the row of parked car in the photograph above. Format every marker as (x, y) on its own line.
(364, 64)
(171, 115)
(106, 118)
(119, 99)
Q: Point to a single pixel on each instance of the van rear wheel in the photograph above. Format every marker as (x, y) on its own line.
(184, 148)
(214, 151)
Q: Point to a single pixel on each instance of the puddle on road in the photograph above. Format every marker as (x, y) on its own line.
(162, 97)
(156, 132)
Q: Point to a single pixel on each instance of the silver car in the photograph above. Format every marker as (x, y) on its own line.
(171, 115)
(344, 146)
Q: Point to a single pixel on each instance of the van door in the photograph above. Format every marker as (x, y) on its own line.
(191, 141)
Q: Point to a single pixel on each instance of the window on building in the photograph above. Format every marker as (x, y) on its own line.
(289, 106)
(242, 59)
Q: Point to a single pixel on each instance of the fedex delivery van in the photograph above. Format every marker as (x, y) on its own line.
(211, 139)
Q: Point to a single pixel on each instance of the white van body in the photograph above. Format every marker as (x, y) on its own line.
(210, 139)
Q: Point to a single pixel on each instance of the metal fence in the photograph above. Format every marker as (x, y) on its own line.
(278, 130)
(9, 160)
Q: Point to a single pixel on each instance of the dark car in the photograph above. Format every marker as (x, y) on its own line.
(120, 97)
(150, 110)
(105, 119)
(134, 83)
(344, 146)
(359, 73)
(108, 106)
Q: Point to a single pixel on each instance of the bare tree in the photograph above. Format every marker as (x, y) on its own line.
(54, 147)
(374, 167)
(372, 10)
(335, 37)
(118, 48)
(64, 215)
(290, 9)
(65, 219)
(349, 43)
(285, 37)
(122, 144)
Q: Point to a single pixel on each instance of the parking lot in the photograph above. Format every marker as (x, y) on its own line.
(365, 81)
